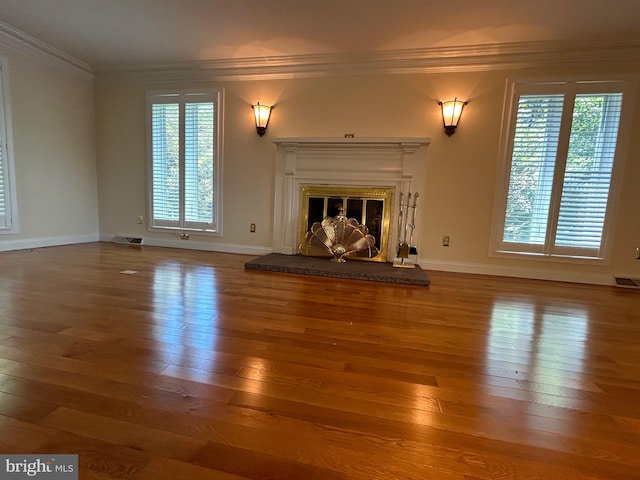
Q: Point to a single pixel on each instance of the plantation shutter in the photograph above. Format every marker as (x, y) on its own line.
(183, 163)
(3, 186)
(5, 197)
(587, 177)
(166, 164)
(562, 151)
(535, 146)
(199, 148)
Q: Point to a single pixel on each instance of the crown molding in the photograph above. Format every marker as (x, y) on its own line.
(466, 58)
(470, 58)
(19, 41)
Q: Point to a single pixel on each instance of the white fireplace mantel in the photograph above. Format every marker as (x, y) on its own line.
(394, 162)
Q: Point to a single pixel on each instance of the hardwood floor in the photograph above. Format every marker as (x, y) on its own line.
(193, 368)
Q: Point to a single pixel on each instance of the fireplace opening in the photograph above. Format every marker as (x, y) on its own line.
(369, 206)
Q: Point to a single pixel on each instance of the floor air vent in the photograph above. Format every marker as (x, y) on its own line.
(624, 282)
(128, 240)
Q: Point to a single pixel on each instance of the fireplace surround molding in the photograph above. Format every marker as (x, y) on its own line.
(398, 163)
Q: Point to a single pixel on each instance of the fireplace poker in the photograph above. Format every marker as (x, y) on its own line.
(400, 223)
(404, 246)
(413, 224)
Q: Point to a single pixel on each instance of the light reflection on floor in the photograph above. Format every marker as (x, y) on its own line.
(185, 308)
(425, 405)
(541, 346)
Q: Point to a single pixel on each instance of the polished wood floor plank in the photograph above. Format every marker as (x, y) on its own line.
(154, 441)
(167, 469)
(110, 459)
(193, 367)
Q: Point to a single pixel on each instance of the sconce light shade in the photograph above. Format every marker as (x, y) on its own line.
(451, 113)
(262, 113)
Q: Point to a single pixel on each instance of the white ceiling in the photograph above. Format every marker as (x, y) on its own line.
(115, 34)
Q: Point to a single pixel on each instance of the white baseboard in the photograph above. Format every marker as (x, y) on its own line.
(198, 245)
(26, 243)
(518, 272)
(437, 265)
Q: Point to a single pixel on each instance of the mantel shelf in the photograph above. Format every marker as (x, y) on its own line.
(344, 141)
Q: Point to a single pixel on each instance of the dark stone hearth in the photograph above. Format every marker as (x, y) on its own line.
(353, 269)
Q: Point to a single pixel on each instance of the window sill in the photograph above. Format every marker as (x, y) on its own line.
(190, 231)
(542, 257)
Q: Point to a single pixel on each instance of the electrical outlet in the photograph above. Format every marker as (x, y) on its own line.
(139, 220)
(445, 240)
(252, 228)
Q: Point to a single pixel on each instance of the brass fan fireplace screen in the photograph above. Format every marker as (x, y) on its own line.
(368, 206)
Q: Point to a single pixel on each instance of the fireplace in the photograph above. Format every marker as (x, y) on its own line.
(369, 206)
(313, 175)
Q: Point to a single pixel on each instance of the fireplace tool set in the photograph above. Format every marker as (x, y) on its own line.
(406, 225)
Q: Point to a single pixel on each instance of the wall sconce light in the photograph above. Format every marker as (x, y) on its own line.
(451, 112)
(262, 113)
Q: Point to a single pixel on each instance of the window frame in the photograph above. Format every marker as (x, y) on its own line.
(10, 223)
(569, 86)
(166, 96)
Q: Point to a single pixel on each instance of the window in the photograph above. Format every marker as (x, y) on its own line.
(562, 150)
(185, 138)
(8, 214)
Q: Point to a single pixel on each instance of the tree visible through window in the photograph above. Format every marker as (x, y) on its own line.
(562, 150)
(185, 155)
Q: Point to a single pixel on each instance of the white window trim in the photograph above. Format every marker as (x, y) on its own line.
(629, 85)
(7, 146)
(218, 161)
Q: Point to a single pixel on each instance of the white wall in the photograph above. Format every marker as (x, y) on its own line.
(461, 170)
(80, 157)
(54, 153)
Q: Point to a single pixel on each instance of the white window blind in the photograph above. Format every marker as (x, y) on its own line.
(199, 143)
(587, 177)
(562, 151)
(3, 186)
(7, 184)
(185, 158)
(166, 164)
(533, 160)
